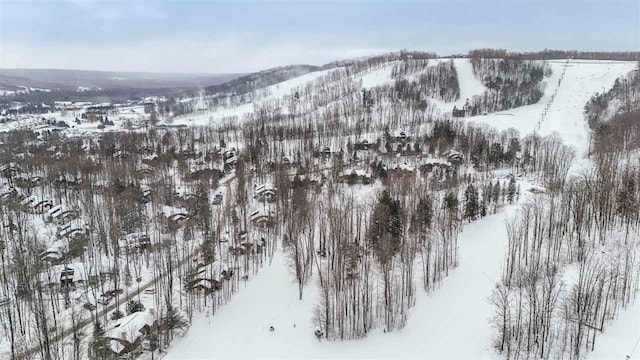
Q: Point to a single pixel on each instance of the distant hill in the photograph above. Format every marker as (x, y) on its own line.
(73, 79)
(247, 83)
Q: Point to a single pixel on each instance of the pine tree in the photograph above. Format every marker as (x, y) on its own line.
(471, 207)
(386, 227)
(511, 190)
(134, 306)
(99, 346)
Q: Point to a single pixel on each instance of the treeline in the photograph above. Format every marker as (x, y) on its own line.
(262, 79)
(555, 54)
(623, 97)
(510, 83)
(621, 133)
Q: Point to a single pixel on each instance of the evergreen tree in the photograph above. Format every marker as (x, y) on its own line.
(386, 227)
(472, 206)
(511, 190)
(99, 346)
(134, 306)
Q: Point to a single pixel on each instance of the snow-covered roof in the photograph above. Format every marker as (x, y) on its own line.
(128, 328)
(356, 172)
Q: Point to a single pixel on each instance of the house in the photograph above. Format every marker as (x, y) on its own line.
(66, 275)
(40, 207)
(127, 333)
(430, 164)
(364, 144)
(174, 216)
(144, 170)
(134, 242)
(455, 157)
(230, 163)
(263, 218)
(265, 193)
(204, 286)
(401, 169)
(121, 154)
(59, 216)
(217, 198)
(400, 136)
(354, 176)
(288, 160)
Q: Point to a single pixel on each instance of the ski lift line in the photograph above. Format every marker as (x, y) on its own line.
(543, 115)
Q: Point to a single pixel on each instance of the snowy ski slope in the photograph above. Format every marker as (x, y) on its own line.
(565, 116)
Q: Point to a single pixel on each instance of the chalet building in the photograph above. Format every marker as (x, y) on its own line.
(400, 136)
(144, 170)
(59, 216)
(355, 176)
(401, 169)
(41, 207)
(364, 144)
(204, 286)
(230, 163)
(455, 157)
(134, 242)
(217, 198)
(263, 218)
(430, 165)
(265, 193)
(127, 334)
(121, 154)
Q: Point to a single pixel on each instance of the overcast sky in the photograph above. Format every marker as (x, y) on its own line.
(245, 36)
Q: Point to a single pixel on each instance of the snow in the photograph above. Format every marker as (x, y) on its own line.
(565, 116)
(452, 322)
(619, 339)
(467, 82)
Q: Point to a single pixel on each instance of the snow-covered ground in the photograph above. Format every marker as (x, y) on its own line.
(468, 83)
(452, 322)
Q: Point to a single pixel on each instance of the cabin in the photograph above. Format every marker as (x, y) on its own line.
(134, 242)
(401, 169)
(430, 165)
(174, 217)
(144, 170)
(355, 176)
(364, 144)
(400, 136)
(217, 198)
(263, 218)
(204, 286)
(121, 154)
(455, 157)
(127, 334)
(40, 207)
(52, 256)
(265, 193)
(64, 276)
